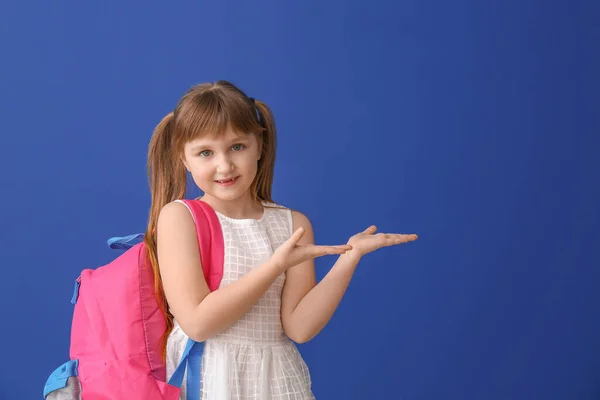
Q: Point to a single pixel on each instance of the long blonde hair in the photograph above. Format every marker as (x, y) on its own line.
(206, 109)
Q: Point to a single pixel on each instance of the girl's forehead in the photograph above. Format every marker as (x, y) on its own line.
(225, 137)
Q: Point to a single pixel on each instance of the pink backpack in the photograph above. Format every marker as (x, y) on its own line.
(117, 325)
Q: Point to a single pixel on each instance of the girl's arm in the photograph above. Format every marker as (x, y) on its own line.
(307, 307)
(201, 313)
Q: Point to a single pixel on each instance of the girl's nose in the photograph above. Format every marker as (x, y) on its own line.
(225, 165)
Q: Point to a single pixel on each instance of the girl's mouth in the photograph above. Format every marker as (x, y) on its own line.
(228, 182)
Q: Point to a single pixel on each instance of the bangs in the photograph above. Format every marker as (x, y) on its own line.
(212, 113)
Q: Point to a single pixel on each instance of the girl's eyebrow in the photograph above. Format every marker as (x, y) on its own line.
(210, 144)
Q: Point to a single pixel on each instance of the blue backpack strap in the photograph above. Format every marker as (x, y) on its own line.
(58, 379)
(191, 358)
(125, 242)
(76, 290)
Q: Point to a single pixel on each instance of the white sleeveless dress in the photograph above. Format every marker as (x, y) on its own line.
(253, 359)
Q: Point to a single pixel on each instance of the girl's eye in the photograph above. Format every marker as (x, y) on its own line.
(235, 147)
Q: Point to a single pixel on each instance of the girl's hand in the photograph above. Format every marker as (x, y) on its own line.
(367, 241)
(290, 253)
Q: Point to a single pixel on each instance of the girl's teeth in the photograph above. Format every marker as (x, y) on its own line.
(229, 180)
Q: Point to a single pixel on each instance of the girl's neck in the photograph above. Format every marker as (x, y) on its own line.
(243, 208)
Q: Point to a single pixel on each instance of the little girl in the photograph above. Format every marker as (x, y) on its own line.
(268, 297)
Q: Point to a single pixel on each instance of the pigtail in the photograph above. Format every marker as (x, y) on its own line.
(167, 179)
(261, 187)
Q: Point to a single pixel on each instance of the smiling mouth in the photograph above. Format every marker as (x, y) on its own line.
(228, 180)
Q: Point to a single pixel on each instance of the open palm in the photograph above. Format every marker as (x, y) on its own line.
(368, 241)
(291, 253)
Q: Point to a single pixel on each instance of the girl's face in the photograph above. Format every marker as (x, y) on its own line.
(223, 168)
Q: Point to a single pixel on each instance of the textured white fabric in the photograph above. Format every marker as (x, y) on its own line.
(253, 359)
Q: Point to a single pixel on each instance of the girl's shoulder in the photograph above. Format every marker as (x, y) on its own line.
(274, 206)
(276, 209)
(282, 209)
(295, 217)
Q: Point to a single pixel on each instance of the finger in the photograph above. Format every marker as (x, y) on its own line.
(372, 229)
(296, 236)
(400, 238)
(345, 247)
(325, 250)
(392, 235)
(317, 246)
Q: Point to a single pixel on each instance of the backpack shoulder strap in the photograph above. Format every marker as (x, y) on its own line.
(210, 240)
(212, 252)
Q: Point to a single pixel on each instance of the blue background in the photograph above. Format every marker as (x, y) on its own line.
(473, 124)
